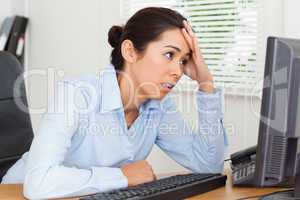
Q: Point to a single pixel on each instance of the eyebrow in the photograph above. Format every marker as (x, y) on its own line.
(177, 49)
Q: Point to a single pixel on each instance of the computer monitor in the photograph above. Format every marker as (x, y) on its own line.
(278, 149)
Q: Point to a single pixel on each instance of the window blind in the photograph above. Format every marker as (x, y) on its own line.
(228, 32)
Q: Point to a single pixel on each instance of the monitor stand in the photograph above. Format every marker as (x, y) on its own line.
(288, 194)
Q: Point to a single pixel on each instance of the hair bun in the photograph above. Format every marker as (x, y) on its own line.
(114, 35)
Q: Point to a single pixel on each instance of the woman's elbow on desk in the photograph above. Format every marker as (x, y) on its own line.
(33, 187)
(38, 184)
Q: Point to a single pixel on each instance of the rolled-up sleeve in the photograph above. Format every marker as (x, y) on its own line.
(201, 150)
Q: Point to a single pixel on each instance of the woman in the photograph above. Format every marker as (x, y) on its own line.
(101, 139)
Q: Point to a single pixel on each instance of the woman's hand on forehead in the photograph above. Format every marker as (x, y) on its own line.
(196, 68)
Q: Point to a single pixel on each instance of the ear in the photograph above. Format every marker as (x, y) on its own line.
(128, 51)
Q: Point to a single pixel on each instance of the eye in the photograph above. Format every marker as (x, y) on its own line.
(169, 55)
(184, 62)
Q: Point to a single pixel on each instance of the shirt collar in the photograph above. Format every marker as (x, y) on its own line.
(111, 96)
(150, 104)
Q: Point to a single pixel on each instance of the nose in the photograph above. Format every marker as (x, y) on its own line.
(177, 70)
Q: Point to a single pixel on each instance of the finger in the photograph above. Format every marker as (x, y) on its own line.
(196, 46)
(186, 25)
(198, 51)
(190, 34)
(192, 30)
(186, 35)
(188, 39)
(189, 28)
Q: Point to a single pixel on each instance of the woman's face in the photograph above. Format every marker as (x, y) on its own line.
(161, 65)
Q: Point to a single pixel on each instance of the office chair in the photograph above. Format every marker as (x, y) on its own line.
(16, 132)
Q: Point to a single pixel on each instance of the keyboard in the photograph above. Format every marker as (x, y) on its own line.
(173, 187)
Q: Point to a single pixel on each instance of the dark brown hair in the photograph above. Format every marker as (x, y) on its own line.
(144, 26)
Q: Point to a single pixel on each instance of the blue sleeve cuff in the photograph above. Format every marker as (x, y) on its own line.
(210, 103)
(109, 178)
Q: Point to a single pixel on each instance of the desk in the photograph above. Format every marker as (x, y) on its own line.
(14, 192)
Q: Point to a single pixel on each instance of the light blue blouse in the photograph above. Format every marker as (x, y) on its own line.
(83, 140)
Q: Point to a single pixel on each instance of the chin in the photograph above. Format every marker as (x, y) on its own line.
(160, 97)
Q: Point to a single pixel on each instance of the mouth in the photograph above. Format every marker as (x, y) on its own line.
(168, 86)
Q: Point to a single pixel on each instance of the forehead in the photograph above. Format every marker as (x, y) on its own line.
(173, 37)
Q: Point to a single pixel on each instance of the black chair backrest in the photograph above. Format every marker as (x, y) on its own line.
(16, 132)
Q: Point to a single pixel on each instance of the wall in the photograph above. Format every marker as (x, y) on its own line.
(66, 37)
(5, 9)
(11, 7)
(291, 18)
